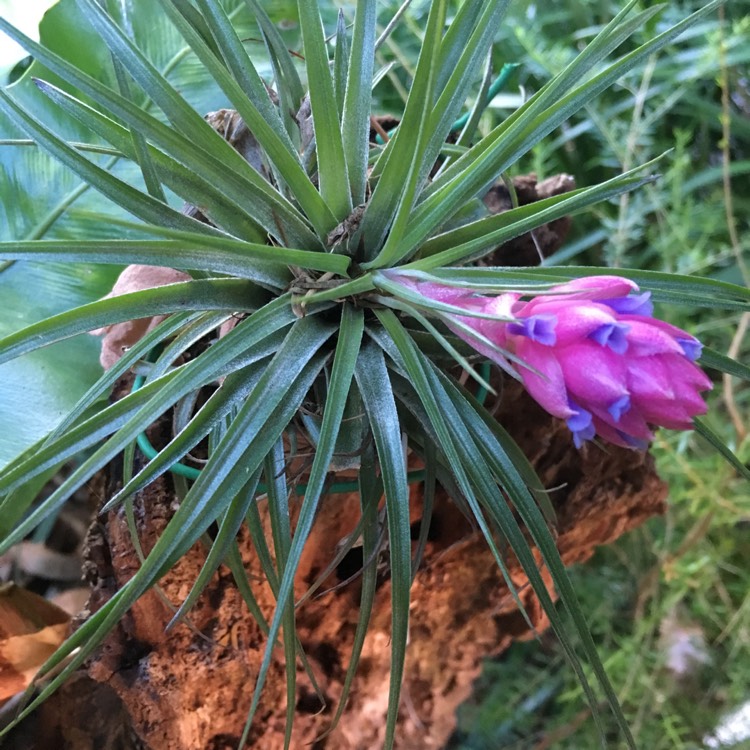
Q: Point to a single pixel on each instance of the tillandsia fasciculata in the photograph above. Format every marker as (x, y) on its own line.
(330, 248)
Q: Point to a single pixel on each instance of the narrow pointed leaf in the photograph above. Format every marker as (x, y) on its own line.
(377, 395)
(347, 348)
(217, 294)
(355, 126)
(139, 204)
(333, 177)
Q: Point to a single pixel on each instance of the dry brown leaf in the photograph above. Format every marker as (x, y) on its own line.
(31, 629)
(121, 336)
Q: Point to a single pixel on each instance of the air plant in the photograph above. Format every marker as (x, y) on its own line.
(345, 264)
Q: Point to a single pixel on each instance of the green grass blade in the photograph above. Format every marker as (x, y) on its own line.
(200, 148)
(715, 441)
(608, 39)
(235, 563)
(182, 116)
(266, 413)
(152, 400)
(21, 473)
(443, 411)
(456, 447)
(168, 254)
(214, 198)
(428, 504)
(150, 178)
(103, 387)
(93, 148)
(442, 340)
(457, 37)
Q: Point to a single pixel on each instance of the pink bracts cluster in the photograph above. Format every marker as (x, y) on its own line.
(596, 356)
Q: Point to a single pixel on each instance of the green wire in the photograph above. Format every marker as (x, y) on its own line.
(190, 472)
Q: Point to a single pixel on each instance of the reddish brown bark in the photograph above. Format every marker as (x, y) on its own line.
(191, 688)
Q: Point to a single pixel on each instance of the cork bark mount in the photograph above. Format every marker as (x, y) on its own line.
(191, 688)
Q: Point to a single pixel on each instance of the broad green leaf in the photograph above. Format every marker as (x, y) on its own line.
(62, 373)
(140, 204)
(38, 391)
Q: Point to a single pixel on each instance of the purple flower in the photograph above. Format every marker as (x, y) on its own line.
(594, 355)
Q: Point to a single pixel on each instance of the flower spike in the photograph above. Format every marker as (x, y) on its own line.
(594, 355)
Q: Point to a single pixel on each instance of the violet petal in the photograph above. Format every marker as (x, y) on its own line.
(612, 335)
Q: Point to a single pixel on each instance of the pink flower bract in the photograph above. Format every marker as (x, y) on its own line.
(594, 355)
